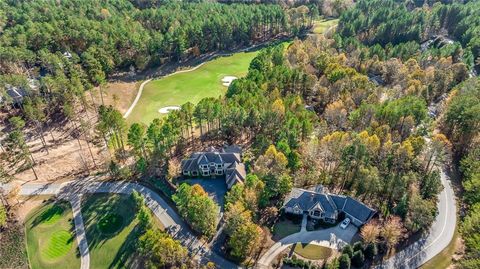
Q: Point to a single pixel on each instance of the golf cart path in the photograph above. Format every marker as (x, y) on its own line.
(73, 190)
(209, 58)
(80, 233)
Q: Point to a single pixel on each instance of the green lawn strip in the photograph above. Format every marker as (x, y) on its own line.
(110, 222)
(444, 258)
(50, 237)
(312, 252)
(191, 86)
(320, 26)
(285, 228)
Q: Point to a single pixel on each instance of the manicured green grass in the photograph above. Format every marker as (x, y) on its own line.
(50, 237)
(58, 245)
(52, 214)
(320, 26)
(191, 86)
(110, 222)
(285, 228)
(312, 252)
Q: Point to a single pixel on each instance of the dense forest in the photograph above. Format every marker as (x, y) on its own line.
(373, 112)
(59, 49)
(403, 27)
(312, 117)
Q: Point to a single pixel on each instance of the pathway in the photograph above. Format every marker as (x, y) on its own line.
(80, 233)
(165, 214)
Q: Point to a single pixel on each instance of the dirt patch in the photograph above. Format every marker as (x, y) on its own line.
(118, 94)
(66, 157)
(28, 203)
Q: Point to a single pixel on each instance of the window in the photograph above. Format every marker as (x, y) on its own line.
(316, 213)
(219, 166)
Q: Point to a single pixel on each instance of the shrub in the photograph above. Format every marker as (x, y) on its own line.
(348, 250)
(358, 246)
(371, 251)
(358, 259)
(344, 262)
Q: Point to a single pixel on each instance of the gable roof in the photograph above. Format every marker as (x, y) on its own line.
(358, 209)
(307, 200)
(330, 204)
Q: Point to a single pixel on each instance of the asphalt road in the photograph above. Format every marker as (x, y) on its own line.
(438, 237)
(71, 191)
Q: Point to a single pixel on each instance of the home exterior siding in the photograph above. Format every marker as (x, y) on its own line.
(212, 162)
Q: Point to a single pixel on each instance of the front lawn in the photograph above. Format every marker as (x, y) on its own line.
(110, 222)
(312, 252)
(285, 228)
(51, 241)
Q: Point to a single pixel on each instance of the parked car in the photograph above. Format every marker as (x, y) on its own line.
(345, 223)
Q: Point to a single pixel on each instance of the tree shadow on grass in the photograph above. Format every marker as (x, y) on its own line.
(55, 208)
(99, 206)
(127, 256)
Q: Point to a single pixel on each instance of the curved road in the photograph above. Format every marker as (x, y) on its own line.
(438, 237)
(72, 191)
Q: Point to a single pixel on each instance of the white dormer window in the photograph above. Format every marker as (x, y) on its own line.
(212, 164)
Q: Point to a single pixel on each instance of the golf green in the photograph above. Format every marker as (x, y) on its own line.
(59, 243)
(177, 89)
(50, 238)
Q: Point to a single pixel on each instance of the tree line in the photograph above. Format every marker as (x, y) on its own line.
(56, 51)
(461, 122)
(312, 117)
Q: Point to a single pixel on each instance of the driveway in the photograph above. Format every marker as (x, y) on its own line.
(334, 237)
(215, 187)
(164, 213)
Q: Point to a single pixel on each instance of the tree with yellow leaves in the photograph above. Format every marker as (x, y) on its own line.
(271, 167)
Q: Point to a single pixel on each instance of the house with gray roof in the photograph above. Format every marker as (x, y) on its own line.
(212, 162)
(327, 206)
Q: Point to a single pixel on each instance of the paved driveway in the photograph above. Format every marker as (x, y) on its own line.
(334, 237)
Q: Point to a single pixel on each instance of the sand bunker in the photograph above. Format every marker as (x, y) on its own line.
(227, 80)
(165, 110)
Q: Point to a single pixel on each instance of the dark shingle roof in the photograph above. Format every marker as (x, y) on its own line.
(358, 209)
(339, 200)
(308, 199)
(233, 149)
(231, 157)
(330, 203)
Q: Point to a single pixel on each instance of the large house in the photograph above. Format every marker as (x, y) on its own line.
(326, 206)
(226, 162)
